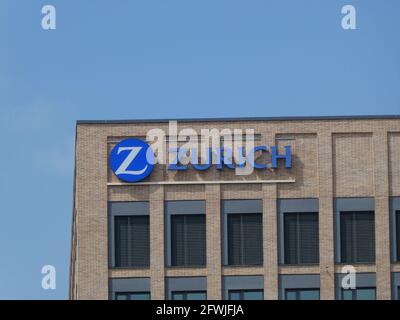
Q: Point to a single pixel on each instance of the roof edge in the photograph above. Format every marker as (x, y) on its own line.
(288, 118)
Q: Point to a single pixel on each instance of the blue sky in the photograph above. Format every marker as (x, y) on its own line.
(163, 59)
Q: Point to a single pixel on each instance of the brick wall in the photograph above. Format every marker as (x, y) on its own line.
(331, 158)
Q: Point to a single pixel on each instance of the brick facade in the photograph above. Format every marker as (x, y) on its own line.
(332, 157)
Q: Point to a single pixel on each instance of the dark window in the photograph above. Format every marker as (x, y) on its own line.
(132, 296)
(398, 234)
(189, 295)
(359, 294)
(188, 240)
(302, 294)
(246, 295)
(132, 244)
(245, 239)
(301, 239)
(398, 293)
(357, 232)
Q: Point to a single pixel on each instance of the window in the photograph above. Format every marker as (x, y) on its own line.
(246, 295)
(357, 232)
(359, 294)
(132, 247)
(188, 240)
(398, 234)
(189, 295)
(301, 239)
(132, 296)
(302, 294)
(398, 293)
(245, 239)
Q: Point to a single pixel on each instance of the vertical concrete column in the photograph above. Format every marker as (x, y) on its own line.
(326, 232)
(213, 232)
(157, 265)
(382, 228)
(270, 241)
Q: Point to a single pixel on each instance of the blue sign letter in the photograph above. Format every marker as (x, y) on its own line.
(287, 156)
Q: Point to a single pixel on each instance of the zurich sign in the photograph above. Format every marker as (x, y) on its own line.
(132, 160)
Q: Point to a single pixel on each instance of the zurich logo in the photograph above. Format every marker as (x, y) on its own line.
(132, 160)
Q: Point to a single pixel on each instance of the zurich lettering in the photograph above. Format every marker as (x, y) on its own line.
(224, 158)
(133, 160)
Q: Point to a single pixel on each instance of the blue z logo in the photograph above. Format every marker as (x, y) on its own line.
(132, 160)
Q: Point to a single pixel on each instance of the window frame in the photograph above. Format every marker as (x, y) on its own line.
(398, 292)
(298, 281)
(131, 265)
(187, 283)
(185, 294)
(348, 204)
(298, 291)
(397, 234)
(181, 207)
(124, 208)
(394, 208)
(354, 214)
(300, 205)
(238, 206)
(233, 283)
(241, 293)
(116, 294)
(355, 291)
(126, 285)
(186, 249)
(298, 249)
(242, 246)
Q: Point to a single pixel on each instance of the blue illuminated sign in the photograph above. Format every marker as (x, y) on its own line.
(224, 158)
(132, 160)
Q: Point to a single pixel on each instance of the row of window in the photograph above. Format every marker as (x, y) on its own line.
(290, 294)
(251, 287)
(241, 234)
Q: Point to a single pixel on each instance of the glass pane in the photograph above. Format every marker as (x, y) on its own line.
(253, 295)
(291, 295)
(132, 241)
(347, 294)
(308, 238)
(139, 241)
(365, 237)
(234, 239)
(290, 238)
(398, 234)
(132, 296)
(195, 239)
(121, 296)
(140, 296)
(347, 243)
(366, 294)
(177, 240)
(309, 295)
(122, 241)
(177, 296)
(234, 295)
(196, 296)
(357, 236)
(252, 239)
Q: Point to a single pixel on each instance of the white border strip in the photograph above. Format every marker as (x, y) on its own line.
(198, 182)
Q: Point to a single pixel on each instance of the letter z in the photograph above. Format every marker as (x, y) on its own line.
(134, 151)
